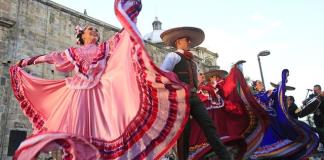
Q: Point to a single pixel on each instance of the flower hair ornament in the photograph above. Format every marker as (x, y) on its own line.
(78, 31)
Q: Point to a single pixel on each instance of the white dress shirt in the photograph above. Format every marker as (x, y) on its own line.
(171, 59)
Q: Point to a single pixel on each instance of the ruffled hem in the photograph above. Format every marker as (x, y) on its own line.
(74, 147)
(236, 144)
(258, 120)
(28, 109)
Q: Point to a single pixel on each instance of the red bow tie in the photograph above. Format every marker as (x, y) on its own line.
(188, 54)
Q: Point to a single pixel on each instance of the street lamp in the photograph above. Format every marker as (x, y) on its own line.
(262, 53)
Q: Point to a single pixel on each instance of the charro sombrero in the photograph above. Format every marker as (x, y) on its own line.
(288, 88)
(216, 72)
(196, 35)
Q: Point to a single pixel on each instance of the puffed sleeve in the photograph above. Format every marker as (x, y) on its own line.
(59, 59)
(171, 59)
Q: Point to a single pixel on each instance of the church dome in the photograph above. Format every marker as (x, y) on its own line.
(154, 36)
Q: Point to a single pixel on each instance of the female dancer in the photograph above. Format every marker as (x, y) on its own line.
(118, 105)
(286, 137)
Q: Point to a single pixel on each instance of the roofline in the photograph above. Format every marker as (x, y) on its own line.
(78, 14)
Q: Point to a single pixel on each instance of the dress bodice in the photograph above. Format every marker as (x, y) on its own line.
(89, 63)
(266, 101)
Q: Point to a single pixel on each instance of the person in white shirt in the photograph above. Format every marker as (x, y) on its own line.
(181, 63)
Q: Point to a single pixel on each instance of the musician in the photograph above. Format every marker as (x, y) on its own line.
(317, 91)
(318, 116)
(292, 107)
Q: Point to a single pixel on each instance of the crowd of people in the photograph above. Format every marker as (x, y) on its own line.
(120, 105)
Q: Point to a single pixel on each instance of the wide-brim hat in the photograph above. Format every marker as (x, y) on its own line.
(216, 72)
(195, 35)
(288, 88)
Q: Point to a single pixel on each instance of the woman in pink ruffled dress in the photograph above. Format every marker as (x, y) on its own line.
(118, 104)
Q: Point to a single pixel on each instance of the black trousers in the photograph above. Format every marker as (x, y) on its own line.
(319, 123)
(320, 132)
(200, 114)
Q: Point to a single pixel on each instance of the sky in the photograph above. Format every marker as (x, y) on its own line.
(292, 30)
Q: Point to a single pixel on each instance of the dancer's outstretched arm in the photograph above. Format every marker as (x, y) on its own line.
(59, 59)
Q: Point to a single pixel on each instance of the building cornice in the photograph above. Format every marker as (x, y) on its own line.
(78, 14)
(207, 51)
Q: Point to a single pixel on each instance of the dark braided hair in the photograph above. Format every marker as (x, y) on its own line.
(80, 41)
(79, 38)
(253, 84)
(292, 98)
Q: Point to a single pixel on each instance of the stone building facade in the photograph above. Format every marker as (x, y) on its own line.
(33, 27)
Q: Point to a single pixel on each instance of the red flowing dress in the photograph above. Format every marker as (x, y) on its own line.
(239, 121)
